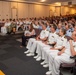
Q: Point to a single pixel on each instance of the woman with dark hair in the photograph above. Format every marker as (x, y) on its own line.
(28, 34)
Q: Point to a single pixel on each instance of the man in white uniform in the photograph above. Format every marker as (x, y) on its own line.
(60, 44)
(51, 40)
(56, 58)
(32, 43)
(6, 25)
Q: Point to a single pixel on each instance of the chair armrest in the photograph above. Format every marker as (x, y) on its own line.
(51, 44)
(73, 57)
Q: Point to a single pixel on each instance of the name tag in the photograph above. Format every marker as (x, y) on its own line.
(62, 40)
(53, 36)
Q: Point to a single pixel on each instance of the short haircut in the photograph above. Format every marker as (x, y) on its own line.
(63, 30)
(54, 26)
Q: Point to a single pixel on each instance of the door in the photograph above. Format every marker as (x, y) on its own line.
(14, 13)
(51, 13)
(57, 11)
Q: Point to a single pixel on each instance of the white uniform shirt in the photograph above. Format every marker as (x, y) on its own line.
(27, 22)
(20, 23)
(35, 26)
(43, 34)
(28, 32)
(7, 24)
(67, 51)
(61, 41)
(52, 37)
(17, 22)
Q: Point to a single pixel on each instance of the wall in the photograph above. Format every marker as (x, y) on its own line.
(5, 10)
(65, 10)
(62, 10)
(23, 10)
(52, 10)
(73, 10)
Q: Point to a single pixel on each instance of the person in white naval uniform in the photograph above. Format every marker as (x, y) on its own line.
(56, 58)
(51, 40)
(32, 43)
(6, 25)
(60, 44)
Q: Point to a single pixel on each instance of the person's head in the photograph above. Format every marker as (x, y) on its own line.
(31, 27)
(59, 25)
(62, 32)
(53, 28)
(3, 19)
(75, 28)
(7, 20)
(74, 35)
(67, 26)
(48, 23)
(43, 27)
(36, 22)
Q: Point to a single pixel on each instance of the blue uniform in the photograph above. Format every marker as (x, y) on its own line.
(68, 32)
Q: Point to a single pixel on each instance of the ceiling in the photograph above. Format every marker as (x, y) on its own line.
(40, 1)
(47, 1)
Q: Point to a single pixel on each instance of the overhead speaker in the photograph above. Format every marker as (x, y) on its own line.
(69, 3)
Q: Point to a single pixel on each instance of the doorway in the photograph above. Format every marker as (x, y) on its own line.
(14, 13)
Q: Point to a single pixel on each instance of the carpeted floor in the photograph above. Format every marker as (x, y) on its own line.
(13, 61)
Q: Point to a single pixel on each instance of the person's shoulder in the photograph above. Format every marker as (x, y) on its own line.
(69, 30)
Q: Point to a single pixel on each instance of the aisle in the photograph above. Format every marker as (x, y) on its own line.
(13, 61)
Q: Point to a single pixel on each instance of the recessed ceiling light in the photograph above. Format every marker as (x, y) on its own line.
(58, 3)
(43, 0)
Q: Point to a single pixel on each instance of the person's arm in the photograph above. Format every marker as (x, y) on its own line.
(38, 37)
(53, 43)
(60, 48)
(44, 39)
(32, 33)
(73, 52)
(62, 51)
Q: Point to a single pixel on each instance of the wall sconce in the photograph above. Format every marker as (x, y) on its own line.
(14, 7)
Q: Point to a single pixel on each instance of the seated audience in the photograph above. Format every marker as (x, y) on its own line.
(27, 35)
(32, 43)
(63, 56)
(5, 28)
(48, 43)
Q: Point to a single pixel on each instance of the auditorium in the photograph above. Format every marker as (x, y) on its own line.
(37, 37)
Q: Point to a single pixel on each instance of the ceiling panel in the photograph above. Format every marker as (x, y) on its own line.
(39, 1)
(48, 1)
